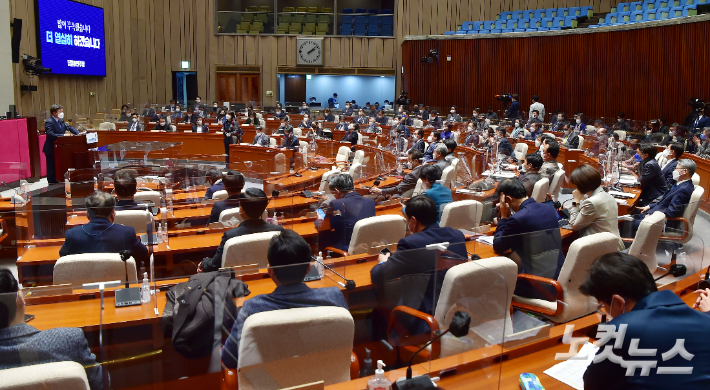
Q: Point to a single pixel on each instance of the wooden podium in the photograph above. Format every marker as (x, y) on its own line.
(71, 152)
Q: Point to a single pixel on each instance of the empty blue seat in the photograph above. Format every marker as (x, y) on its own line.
(506, 30)
(347, 29)
(495, 31)
(360, 11)
(649, 5)
(539, 13)
(555, 28)
(386, 20)
(373, 11)
(676, 12)
(500, 24)
(373, 30)
(528, 14)
(623, 17)
(386, 30)
(558, 22)
(472, 32)
(517, 15)
(661, 4)
(663, 13)
(505, 15)
(359, 29)
(551, 13)
(562, 12)
(466, 26)
(346, 19)
(543, 29)
(347, 10)
(690, 10)
(636, 6)
(534, 23)
(386, 11)
(449, 32)
(518, 30)
(360, 20)
(546, 22)
(484, 31)
(477, 25)
(571, 21)
(575, 11)
(636, 16)
(530, 30)
(523, 23)
(372, 19)
(488, 25)
(587, 11)
(511, 24)
(458, 32)
(649, 14)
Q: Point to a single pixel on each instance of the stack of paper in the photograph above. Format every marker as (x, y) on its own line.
(485, 240)
(571, 372)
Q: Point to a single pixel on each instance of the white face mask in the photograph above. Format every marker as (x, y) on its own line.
(162, 123)
(619, 120)
(305, 119)
(676, 175)
(215, 106)
(537, 143)
(347, 107)
(228, 117)
(135, 119)
(517, 124)
(304, 107)
(488, 121)
(430, 139)
(453, 111)
(560, 119)
(199, 123)
(278, 111)
(578, 121)
(542, 150)
(60, 115)
(197, 100)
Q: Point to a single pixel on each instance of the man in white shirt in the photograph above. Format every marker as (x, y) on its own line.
(536, 105)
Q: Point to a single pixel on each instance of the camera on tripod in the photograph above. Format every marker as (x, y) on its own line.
(33, 66)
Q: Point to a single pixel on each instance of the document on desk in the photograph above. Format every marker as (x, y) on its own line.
(485, 239)
(571, 372)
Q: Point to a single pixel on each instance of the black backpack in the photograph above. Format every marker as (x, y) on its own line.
(189, 314)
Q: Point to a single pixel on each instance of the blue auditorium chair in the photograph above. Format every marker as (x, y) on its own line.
(466, 26)
(676, 12)
(539, 13)
(558, 22)
(571, 22)
(477, 25)
(360, 11)
(562, 12)
(505, 15)
(663, 13)
(472, 32)
(386, 20)
(551, 13)
(523, 23)
(361, 19)
(623, 18)
(373, 30)
(587, 11)
(517, 15)
(662, 4)
(360, 29)
(347, 29)
(373, 19)
(528, 14)
(511, 24)
(647, 5)
(483, 31)
(649, 15)
(506, 30)
(621, 7)
(500, 24)
(346, 19)
(373, 11)
(690, 10)
(386, 30)
(495, 31)
(543, 29)
(636, 6)
(347, 10)
(575, 11)
(546, 22)
(488, 25)
(386, 11)
(636, 17)
(458, 32)
(534, 23)
(449, 32)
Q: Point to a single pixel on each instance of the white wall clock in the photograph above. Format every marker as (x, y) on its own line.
(309, 51)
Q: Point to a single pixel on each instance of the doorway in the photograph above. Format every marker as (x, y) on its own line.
(184, 86)
(239, 88)
(294, 89)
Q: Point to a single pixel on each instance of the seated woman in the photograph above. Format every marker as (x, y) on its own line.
(599, 212)
(518, 131)
(252, 119)
(329, 117)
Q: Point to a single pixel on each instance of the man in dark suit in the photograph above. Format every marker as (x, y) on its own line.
(279, 114)
(213, 176)
(418, 141)
(261, 139)
(435, 121)
(285, 125)
(148, 111)
(251, 209)
(233, 182)
(514, 110)
(434, 139)
(163, 125)
(533, 163)
(135, 124)
(124, 187)
(190, 117)
(351, 134)
(560, 122)
(54, 127)
(304, 109)
(656, 330)
(101, 234)
(344, 212)
(348, 111)
(700, 121)
(676, 151)
(288, 256)
(409, 181)
(532, 232)
(198, 104)
(570, 139)
(412, 258)
(361, 118)
(24, 345)
(171, 107)
(653, 185)
(673, 202)
(290, 140)
(200, 127)
(504, 146)
(440, 153)
(621, 123)
(381, 119)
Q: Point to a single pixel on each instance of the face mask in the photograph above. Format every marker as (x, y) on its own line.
(372, 121)
(162, 123)
(228, 117)
(534, 115)
(409, 165)
(619, 120)
(215, 106)
(537, 143)
(60, 115)
(542, 150)
(305, 119)
(453, 111)
(672, 133)
(578, 121)
(199, 123)
(347, 106)
(559, 119)
(135, 119)
(278, 111)
(703, 137)
(177, 110)
(637, 157)
(197, 100)
(401, 109)
(304, 107)
(517, 124)
(676, 175)
(430, 139)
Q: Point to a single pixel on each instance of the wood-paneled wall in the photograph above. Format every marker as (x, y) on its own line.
(645, 72)
(147, 39)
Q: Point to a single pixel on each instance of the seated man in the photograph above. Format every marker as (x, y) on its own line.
(260, 138)
(409, 182)
(213, 175)
(125, 186)
(601, 143)
(290, 141)
(233, 182)
(101, 235)
(651, 180)
(504, 146)
(344, 212)
(550, 151)
(676, 151)
(434, 139)
(533, 162)
(658, 322)
(570, 139)
(534, 118)
(674, 201)
(251, 209)
(23, 345)
(533, 233)
(285, 126)
(436, 191)
(288, 255)
(421, 214)
(450, 147)
(351, 134)
(440, 152)
(435, 121)
(417, 141)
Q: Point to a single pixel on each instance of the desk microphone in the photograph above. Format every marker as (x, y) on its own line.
(275, 193)
(349, 283)
(376, 183)
(125, 255)
(675, 270)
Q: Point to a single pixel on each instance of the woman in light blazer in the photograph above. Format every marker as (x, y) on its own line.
(596, 213)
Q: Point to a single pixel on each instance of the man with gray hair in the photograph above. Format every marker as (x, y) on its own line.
(674, 201)
(54, 127)
(344, 212)
(440, 152)
(101, 234)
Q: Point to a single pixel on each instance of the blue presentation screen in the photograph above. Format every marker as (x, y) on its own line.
(71, 37)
